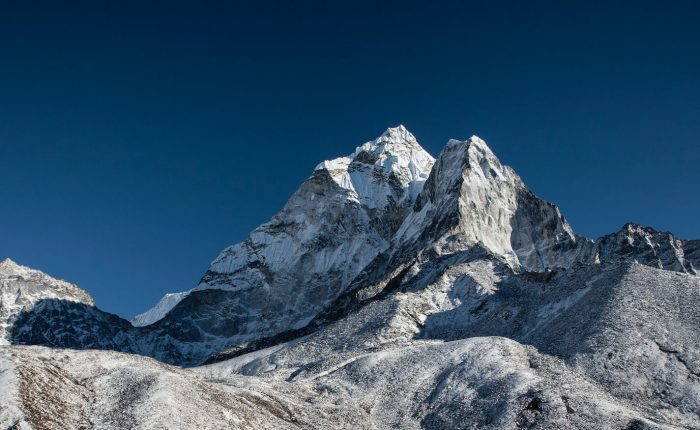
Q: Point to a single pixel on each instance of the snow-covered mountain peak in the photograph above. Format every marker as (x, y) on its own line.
(471, 198)
(474, 140)
(362, 216)
(7, 262)
(22, 288)
(10, 268)
(157, 312)
(465, 166)
(474, 158)
(635, 228)
(293, 267)
(393, 136)
(37, 285)
(388, 169)
(396, 144)
(633, 232)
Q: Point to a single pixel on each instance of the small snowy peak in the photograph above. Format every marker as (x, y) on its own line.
(392, 136)
(388, 142)
(394, 141)
(7, 263)
(10, 268)
(38, 284)
(650, 247)
(397, 134)
(21, 288)
(157, 312)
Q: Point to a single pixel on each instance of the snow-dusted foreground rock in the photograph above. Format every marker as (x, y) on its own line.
(66, 389)
(479, 382)
(392, 291)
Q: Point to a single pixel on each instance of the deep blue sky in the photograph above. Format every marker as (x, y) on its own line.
(137, 141)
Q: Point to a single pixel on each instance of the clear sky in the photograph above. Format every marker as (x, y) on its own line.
(139, 139)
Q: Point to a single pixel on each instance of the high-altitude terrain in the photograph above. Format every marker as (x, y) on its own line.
(393, 290)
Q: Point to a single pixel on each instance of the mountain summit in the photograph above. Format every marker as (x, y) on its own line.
(471, 198)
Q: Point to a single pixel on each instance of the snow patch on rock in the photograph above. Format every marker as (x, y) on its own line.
(158, 311)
